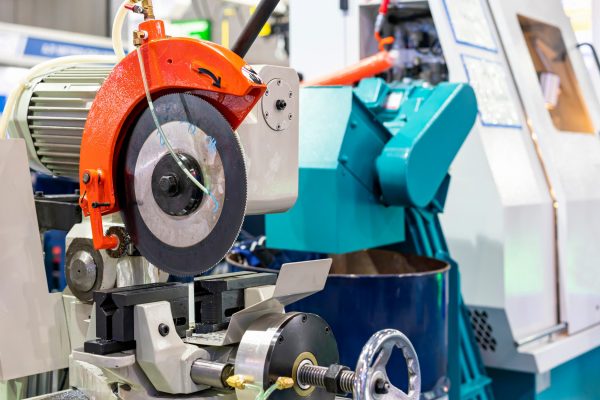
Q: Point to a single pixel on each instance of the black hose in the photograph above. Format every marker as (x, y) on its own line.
(252, 29)
(594, 53)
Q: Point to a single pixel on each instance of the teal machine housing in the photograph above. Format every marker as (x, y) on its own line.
(366, 154)
(374, 163)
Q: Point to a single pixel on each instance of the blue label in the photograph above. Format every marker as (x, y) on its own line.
(2, 103)
(53, 49)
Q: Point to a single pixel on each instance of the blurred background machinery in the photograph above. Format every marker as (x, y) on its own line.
(521, 213)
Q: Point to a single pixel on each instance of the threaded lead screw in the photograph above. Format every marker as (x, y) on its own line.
(340, 381)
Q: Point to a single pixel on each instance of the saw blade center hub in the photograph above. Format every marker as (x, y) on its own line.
(172, 190)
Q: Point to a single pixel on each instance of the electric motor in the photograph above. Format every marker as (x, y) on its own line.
(51, 114)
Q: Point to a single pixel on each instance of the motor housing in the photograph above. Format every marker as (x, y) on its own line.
(51, 114)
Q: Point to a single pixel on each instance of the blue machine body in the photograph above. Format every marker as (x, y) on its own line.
(54, 241)
(367, 153)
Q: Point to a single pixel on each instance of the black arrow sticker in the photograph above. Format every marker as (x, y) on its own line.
(216, 81)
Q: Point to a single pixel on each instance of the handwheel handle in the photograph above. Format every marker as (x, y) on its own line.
(372, 382)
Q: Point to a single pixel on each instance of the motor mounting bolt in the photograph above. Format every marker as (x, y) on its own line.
(86, 178)
(163, 329)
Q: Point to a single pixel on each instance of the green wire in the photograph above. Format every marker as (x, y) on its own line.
(268, 392)
(262, 394)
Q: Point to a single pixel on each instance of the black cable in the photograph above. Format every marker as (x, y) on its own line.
(594, 53)
(252, 29)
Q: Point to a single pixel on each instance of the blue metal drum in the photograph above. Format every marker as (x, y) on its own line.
(414, 301)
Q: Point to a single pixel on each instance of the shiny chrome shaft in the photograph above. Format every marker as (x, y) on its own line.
(210, 373)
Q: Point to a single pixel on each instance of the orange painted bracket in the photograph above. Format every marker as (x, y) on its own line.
(94, 185)
(205, 69)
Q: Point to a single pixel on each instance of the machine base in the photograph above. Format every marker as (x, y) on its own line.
(575, 380)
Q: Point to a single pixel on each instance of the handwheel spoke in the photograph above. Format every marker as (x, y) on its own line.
(395, 393)
(384, 355)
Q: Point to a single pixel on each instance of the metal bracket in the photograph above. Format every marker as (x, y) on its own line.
(295, 281)
(58, 212)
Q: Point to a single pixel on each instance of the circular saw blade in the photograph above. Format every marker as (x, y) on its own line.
(171, 222)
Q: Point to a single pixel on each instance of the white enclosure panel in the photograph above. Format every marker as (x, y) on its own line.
(499, 217)
(572, 158)
(34, 336)
(529, 267)
(529, 275)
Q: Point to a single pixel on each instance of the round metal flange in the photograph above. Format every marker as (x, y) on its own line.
(271, 346)
(277, 105)
(186, 233)
(83, 269)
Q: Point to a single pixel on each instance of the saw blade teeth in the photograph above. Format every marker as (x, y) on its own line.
(239, 144)
(241, 148)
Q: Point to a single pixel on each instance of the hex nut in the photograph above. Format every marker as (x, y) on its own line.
(332, 378)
